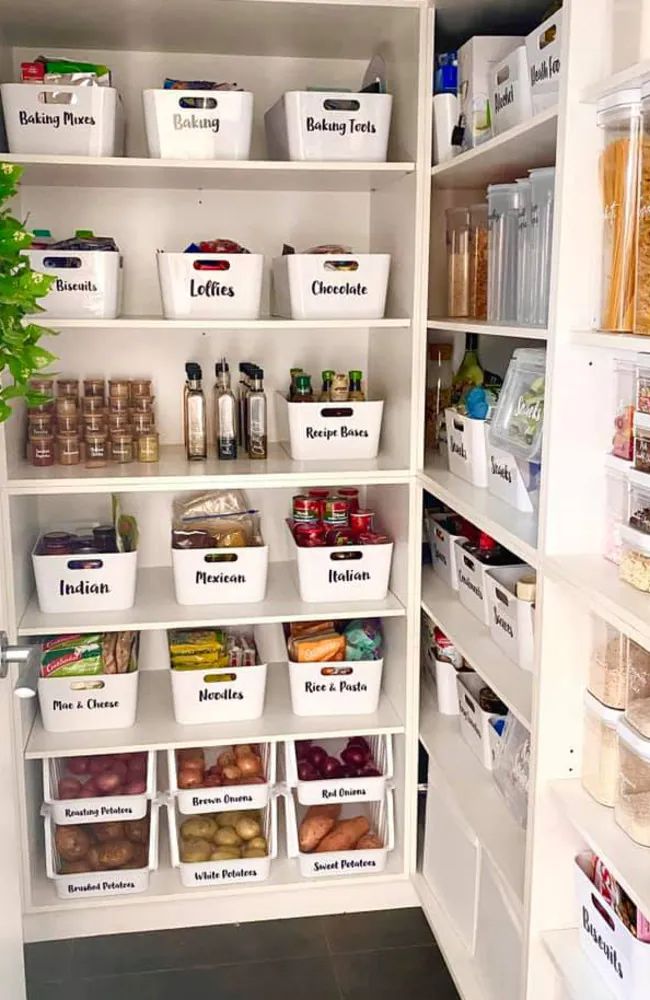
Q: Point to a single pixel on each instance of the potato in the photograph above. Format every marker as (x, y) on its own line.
(137, 830)
(113, 830)
(72, 842)
(108, 782)
(228, 818)
(93, 859)
(195, 849)
(226, 854)
(250, 766)
(258, 843)
(115, 853)
(140, 857)
(316, 824)
(345, 835)
(69, 788)
(369, 842)
(254, 852)
(199, 826)
(247, 828)
(227, 836)
(75, 867)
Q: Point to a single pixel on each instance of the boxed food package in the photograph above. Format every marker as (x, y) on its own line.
(544, 65)
(475, 61)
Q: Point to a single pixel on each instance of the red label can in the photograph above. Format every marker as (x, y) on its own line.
(336, 512)
(306, 509)
(320, 495)
(351, 495)
(361, 520)
(308, 535)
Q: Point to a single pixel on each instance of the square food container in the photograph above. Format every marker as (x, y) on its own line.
(223, 798)
(342, 573)
(474, 721)
(543, 47)
(220, 576)
(99, 808)
(466, 447)
(511, 101)
(634, 567)
(312, 431)
(325, 790)
(518, 420)
(87, 285)
(198, 124)
(210, 285)
(330, 286)
(312, 125)
(608, 664)
(56, 119)
(632, 807)
(600, 771)
(511, 619)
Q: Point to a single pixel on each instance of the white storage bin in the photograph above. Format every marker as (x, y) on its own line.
(306, 286)
(473, 582)
(102, 582)
(106, 883)
(205, 873)
(446, 680)
(98, 808)
(342, 572)
(78, 704)
(510, 95)
(444, 552)
(347, 687)
(316, 865)
(311, 125)
(224, 798)
(189, 292)
(329, 430)
(499, 936)
(506, 481)
(466, 447)
(220, 576)
(476, 58)
(179, 130)
(495, 733)
(621, 959)
(87, 285)
(231, 694)
(323, 791)
(474, 722)
(543, 47)
(63, 120)
(511, 619)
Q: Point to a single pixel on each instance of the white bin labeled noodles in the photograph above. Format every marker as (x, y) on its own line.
(511, 620)
(101, 582)
(337, 688)
(198, 124)
(87, 283)
(56, 119)
(311, 125)
(310, 431)
(325, 790)
(78, 704)
(220, 576)
(210, 285)
(466, 444)
(343, 573)
(223, 798)
(98, 808)
(330, 286)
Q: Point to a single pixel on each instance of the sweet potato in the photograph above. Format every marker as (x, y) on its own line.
(317, 823)
(369, 842)
(345, 835)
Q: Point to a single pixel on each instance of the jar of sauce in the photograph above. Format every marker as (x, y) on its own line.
(105, 538)
(56, 543)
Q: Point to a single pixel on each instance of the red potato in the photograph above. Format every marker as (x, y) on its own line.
(109, 782)
(69, 788)
(112, 830)
(137, 768)
(120, 767)
(89, 790)
(137, 786)
(77, 765)
(99, 764)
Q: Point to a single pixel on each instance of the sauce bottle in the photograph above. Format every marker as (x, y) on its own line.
(195, 422)
(303, 391)
(294, 373)
(355, 392)
(339, 390)
(225, 413)
(326, 389)
(256, 416)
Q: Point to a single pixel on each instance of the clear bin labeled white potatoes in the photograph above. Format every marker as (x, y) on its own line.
(81, 703)
(87, 283)
(466, 447)
(210, 285)
(66, 811)
(316, 125)
(198, 124)
(511, 620)
(312, 431)
(221, 799)
(57, 119)
(325, 790)
(344, 687)
(330, 286)
(342, 573)
(220, 576)
(102, 582)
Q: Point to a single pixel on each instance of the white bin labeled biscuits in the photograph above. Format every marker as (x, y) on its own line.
(78, 704)
(62, 120)
(311, 431)
(511, 620)
(210, 285)
(330, 286)
(198, 124)
(223, 798)
(312, 125)
(325, 790)
(343, 573)
(220, 576)
(335, 688)
(104, 808)
(102, 582)
(466, 447)
(87, 283)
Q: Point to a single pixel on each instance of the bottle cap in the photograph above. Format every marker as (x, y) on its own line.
(84, 234)
(328, 374)
(42, 233)
(355, 376)
(486, 542)
(303, 381)
(525, 589)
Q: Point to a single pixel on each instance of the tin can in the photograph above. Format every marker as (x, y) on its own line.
(306, 509)
(56, 543)
(320, 494)
(351, 494)
(309, 534)
(361, 520)
(336, 512)
(339, 536)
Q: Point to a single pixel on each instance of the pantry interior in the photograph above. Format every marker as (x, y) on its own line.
(517, 885)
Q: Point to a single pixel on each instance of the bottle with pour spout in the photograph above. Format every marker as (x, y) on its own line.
(225, 413)
(194, 410)
(256, 416)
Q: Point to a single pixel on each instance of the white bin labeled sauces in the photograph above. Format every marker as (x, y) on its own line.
(311, 431)
(63, 120)
(101, 582)
(543, 47)
(510, 95)
(78, 704)
(210, 285)
(87, 283)
(466, 447)
(94, 808)
(326, 790)
(223, 798)
(511, 620)
(443, 551)
(311, 125)
(505, 479)
(343, 573)
(220, 576)
(344, 687)
(198, 124)
(330, 286)
(474, 722)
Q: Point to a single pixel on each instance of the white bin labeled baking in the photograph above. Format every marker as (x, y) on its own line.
(511, 620)
(466, 444)
(62, 120)
(96, 701)
(198, 124)
(210, 285)
(543, 47)
(325, 790)
(510, 94)
(87, 283)
(343, 573)
(94, 808)
(330, 286)
(444, 552)
(310, 431)
(311, 125)
(474, 722)
(223, 798)
(220, 576)
(506, 481)
(335, 688)
(101, 582)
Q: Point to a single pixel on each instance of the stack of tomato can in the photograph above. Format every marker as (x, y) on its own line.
(333, 517)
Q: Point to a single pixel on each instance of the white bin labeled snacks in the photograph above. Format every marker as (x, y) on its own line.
(223, 798)
(330, 286)
(310, 431)
(474, 722)
(62, 120)
(198, 124)
(210, 285)
(220, 576)
(472, 583)
(77, 704)
(311, 125)
(343, 573)
(444, 552)
(506, 481)
(101, 808)
(466, 447)
(101, 582)
(324, 790)
(543, 47)
(510, 96)
(87, 283)
(337, 688)
(511, 620)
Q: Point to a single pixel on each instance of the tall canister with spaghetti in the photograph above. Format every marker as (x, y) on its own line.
(642, 323)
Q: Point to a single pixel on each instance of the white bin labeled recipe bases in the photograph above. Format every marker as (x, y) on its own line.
(510, 95)
(543, 47)
(210, 285)
(466, 447)
(324, 790)
(100, 808)
(87, 283)
(474, 722)
(198, 124)
(62, 120)
(343, 573)
(311, 431)
(312, 125)
(511, 620)
(223, 798)
(78, 704)
(346, 687)
(444, 551)
(330, 286)
(220, 576)
(102, 582)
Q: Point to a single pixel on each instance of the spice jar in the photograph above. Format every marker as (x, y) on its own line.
(122, 446)
(68, 422)
(68, 451)
(96, 446)
(94, 423)
(140, 387)
(600, 751)
(142, 422)
(43, 385)
(118, 421)
(42, 451)
(119, 404)
(478, 261)
(637, 710)
(118, 388)
(93, 404)
(148, 450)
(39, 424)
(66, 406)
(94, 387)
(632, 809)
(67, 387)
(143, 404)
(608, 663)
(458, 261)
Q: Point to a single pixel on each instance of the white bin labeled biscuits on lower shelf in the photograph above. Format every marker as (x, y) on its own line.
(61, 773)
(342, 573)
(511, 619)
(330, 286)
(342, 789)
(206, 798)
(198, 124)
(60, 119)
(210, 285)
(466, 447)
(104, 581)
(87, 283)
(316, 125)
(311, 431)
(220, 576)
(95, 701)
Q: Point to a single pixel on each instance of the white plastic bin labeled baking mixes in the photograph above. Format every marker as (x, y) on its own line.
(345, 687)
(325, 790)
(310, 125)
(310, 431)
(498, 935)
(198, 124)
(506, 481)
(543, 47)
(511, 620)
(472, 583)
(466, 447)
(343, 573)
(381, 818)
(510, 95)
(200, 874)
(78, 704)
(96, 808)
(106, 883)
(62, 120)
(220, 576)
(621, 959)
(101, 582)
(222, 799)
(87, 283)
(444, 552)
(330, 286)
(474, 722)
(210, 285)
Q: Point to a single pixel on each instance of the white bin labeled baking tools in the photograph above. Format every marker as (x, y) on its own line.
(312, 125)
(444, 552)
(310, 431)
(223, 798)
(78, 704)
(506, 481)
(99, 808)
(543, 46)
(466, 444)
(510, 95)
(511, 620)
(325, 790)
(342, 573)
(474, 722)
(87, 283)
(63, 120)
(336, 688)
(198, 124)
(472, 583)
(220, 576)
(102, 582)
(210, 285)
(330, 286)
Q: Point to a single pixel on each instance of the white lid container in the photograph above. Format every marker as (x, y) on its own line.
(316, 431)
(600, 750)
(94, 808)
(608, 664)
(325, 790)
(59, 119)
(634, 567)
(312, 125)
(632, 809)
(504, 204)
(226, 797)
(330, 286)
(198, 124)
(87, 285)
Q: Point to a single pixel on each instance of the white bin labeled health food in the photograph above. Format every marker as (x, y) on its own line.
(78, 704)
(210, 285)
(97, 808)
(511, 620)
(510, 95)
(330, 286)
(312, 125)
(347, 687)
(543, 47)
(466, 444)
(101, 582)
(343, 573)
(87, 283)
(62, 120)
(198, 124)
(220, 576)
(324, 790)
(223, 798)
(310, 431)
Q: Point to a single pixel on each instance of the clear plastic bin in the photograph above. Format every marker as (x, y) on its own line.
(608, 664)
(478, 261)
(517, 423)
(637, 708)
(625, 380)
(458, 261)
(642, 306)
(639, 508)
(512, 768)
(542, 181)
(600, 751)
(525, 273)
(503, 215)
(616, 510)
(632, 809)
(643, 386)
(641, 443)
(635, 560)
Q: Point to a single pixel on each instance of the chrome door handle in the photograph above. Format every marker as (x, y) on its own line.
(29, 657)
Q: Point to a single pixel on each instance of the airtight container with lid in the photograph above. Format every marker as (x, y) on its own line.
(525, 272)
(608, 664)
(542, 193)
(616, 506)
(504, 201)
(642, 305)
(600, 750)
(458, 261)
(632, 809)
(637, 708)
(634, 567)
(517, 422)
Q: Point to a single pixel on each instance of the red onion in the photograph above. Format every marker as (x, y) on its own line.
(317, 756)
(356, 756)
(307, 771)
(360, 741)
(302, 749)
(331, 768)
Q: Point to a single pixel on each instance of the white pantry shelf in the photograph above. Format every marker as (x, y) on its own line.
(486, 329)
(579, 977)
(156, 608)
(275, 323)
(631, 76)
(472, 639)
(610, 341)
(459, 961)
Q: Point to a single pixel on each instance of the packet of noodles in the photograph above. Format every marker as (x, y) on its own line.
(81, 656)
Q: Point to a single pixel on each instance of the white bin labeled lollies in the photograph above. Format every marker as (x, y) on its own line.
(343, 573)
(97, 808)
(87, 283)
(311, 431)
(78, 704)
(226, 797)
(102, 582)
(357, 789)
(62, 120)
(311, 125)
(220, 576)
(466, 444)
(511, 619)
(330, 286)
(198, 124)
(210, 285)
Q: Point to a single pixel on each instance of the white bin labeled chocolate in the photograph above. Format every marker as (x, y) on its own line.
(99, 787)
(339, 770)
(62, 120)
(543, 47)
(312, 431)
(212, 279)
(222, 778)
(316, 125)
(466, 447)
(473, 562)
(187, 124)
(510, 95)
(329, 282)
(87, 283)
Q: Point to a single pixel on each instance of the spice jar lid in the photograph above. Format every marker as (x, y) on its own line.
(609, 716)
(627, 734)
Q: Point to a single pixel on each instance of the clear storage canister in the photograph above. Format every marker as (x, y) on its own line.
(642, 311)
(607, 680)
(439, 376)
(542, 183)
(619, 115)
(637, 710)
(634, 567)
(623, 438)
(478, 260)
(632, 809)
(458, 261)
(503, 226)
(600, 751)
(525, 274)
(616, 510)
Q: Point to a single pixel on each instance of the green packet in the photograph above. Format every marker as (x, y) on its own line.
(73, 663)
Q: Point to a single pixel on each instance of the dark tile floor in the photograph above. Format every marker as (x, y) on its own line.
(361, 956)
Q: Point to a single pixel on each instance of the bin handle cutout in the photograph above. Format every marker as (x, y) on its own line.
(501, 596)
(89, 685)
(547, 36)
(85, 564)
(469, 563)
(57, 97)
(341, 265)
(217, 557)
(341, 104)
(211, 265)
(609, 920)
(197, 103)
(62, 262)
(336, 671)
(503, 74)
(340, 556)
(219, 678)
(459, 425)
(337, 411)
(470, 704)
